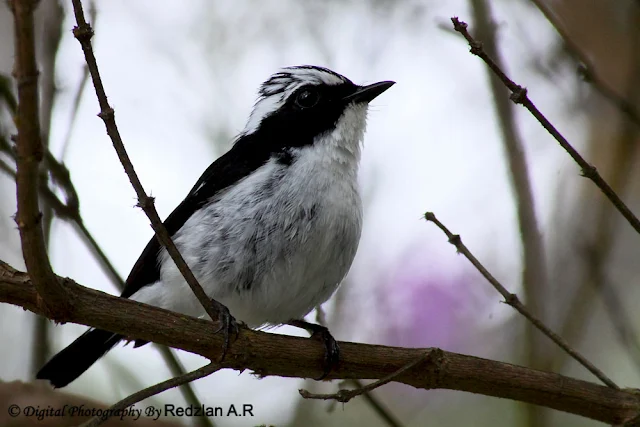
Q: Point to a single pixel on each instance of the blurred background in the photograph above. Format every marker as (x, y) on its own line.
(182, 77)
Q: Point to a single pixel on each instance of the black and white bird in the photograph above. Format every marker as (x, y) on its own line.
(271, 227)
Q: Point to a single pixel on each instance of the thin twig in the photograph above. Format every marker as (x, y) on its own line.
(62, 211)
(587, 69)
(178, 370)
(519, 96)
(152, 391)
(623, 164)
(62, 178)
(6, 93)
(378, 407)
(29, 156)
(623, 153)
(83, 33)
(621, 321)
(79, 91)
(534, 271)
(344, 396)
(375, 404)
(52, 15)
(513, 301)
(6, 168)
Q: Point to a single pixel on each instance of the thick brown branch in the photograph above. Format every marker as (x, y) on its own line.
(29, 156)
(519, 96)
(270, 354)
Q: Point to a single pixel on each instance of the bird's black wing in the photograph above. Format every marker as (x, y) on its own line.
(243, 158)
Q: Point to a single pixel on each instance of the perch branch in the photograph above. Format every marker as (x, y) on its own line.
(286, 356)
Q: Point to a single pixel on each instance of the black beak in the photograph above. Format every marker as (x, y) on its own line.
(368, 93)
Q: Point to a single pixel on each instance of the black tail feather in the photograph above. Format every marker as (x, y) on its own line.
(71, 362)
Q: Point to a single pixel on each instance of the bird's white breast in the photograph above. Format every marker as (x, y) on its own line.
(278, 243)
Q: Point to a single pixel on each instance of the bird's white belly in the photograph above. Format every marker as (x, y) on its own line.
(269, 253)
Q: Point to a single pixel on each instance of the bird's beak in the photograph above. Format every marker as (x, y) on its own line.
(368, 93)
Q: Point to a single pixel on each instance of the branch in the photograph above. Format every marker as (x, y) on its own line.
(377, 406)
(83, 33)
(29, 156)
(586, 67)
(519, 96)
(513, 301)
(534, 266)
(598, 251)
(286, 356)
(70, 212)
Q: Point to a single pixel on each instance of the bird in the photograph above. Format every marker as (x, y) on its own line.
(271, 228)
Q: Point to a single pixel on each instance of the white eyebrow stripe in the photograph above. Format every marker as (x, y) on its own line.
(276, 90)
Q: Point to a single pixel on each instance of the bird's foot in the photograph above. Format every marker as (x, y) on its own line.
(331, 348)
(228, 326)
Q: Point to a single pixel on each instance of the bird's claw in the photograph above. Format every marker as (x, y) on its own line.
(228, 325)
(331, 348)
(331, 351)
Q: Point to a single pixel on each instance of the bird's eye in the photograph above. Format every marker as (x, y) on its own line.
(307, 98)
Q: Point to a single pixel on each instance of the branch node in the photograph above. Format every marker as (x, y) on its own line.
(28, 224)
(589, 171)
(25, 80)
(475, 48)
(83, 32)
(512, 300)
(518, 95)
(146, 202)
(107, 114)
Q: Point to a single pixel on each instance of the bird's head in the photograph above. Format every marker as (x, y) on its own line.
(308, 105)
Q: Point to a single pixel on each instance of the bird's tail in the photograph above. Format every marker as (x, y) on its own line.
(71, 362)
